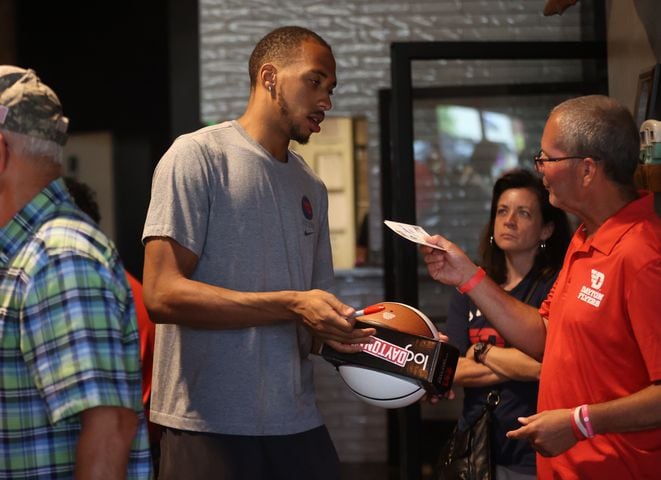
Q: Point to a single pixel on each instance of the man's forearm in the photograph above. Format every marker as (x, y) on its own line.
(638, 411)
(517, 322)
(105, 441)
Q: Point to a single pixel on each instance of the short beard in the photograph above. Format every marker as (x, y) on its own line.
(294, 131)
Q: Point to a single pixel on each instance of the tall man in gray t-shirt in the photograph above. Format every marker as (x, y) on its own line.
(237, 261)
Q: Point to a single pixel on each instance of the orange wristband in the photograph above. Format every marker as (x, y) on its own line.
(473, 281)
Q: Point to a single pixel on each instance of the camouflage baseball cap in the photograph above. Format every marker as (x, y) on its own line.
(29, 107)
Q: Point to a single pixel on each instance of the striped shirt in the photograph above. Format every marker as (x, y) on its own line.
(68, 338)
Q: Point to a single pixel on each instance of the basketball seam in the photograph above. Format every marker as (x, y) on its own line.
(387, 398)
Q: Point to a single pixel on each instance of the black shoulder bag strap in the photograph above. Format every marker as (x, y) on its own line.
(531, 290)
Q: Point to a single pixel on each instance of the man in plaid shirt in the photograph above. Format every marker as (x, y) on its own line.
(70, 379)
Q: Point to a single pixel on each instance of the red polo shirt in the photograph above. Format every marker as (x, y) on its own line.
(604, 340)
(147, 331)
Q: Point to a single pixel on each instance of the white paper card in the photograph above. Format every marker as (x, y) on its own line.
(414, 233)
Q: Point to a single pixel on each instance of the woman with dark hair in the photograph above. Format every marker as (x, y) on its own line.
(522, 248)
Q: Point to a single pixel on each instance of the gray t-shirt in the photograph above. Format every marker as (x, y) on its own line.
(256, 224)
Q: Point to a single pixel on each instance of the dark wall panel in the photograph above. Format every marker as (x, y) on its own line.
(110, 63)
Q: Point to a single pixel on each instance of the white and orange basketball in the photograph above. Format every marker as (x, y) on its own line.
(384, 389)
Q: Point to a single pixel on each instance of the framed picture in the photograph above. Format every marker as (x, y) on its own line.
(648, 103)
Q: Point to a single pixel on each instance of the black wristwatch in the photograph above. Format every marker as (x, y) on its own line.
(479, 350)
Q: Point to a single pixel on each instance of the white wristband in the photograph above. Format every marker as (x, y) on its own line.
(579, 423)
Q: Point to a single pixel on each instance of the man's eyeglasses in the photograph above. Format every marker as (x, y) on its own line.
(539, 160)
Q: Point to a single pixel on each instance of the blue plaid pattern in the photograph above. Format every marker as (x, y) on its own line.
(68, 338)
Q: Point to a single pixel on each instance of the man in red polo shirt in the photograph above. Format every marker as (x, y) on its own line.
(599, 330)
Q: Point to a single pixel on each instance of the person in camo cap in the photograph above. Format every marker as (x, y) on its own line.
(29, 107)
(70, 379)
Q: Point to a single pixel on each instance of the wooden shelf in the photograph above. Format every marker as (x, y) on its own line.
(648, 177)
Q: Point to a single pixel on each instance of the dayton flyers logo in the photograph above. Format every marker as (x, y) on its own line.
(592, 296)
(394, 353)
(306, 206)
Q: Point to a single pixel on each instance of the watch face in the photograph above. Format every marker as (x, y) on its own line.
(479, 349)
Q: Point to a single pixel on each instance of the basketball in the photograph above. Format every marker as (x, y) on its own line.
(388, 390)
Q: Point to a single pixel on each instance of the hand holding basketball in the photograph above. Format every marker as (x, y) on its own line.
(383, 389)
(328, 317)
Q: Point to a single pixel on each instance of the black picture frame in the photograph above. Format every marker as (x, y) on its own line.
(648, 104)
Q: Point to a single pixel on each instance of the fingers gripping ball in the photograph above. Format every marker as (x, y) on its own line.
(389, 390)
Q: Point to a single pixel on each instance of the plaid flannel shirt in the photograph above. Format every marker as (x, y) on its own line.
(68, 338)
